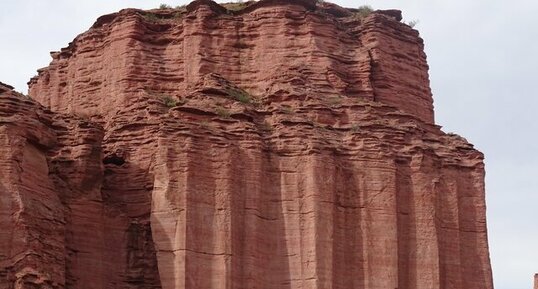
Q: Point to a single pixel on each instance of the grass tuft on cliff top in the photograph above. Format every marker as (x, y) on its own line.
(363, 11)
(236, 6)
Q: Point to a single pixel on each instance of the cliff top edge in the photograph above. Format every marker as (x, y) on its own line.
(238, 8)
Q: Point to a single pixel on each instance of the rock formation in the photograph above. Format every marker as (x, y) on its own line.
(536, 281)
(270, 144)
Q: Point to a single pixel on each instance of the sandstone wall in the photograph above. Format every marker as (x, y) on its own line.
(286, 145)
(273, 50)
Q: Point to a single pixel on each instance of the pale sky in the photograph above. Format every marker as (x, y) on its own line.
(483, 68)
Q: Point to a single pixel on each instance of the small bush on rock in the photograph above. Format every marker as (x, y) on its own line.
(169, 101)
(364, 11)
(239, 95)
(151, 17)
(412, 23)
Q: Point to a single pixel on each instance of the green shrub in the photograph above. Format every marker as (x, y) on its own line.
(165, 6)
(169, 101)
(364, 11)
(238, 5)
(151, 17)
(239, 95)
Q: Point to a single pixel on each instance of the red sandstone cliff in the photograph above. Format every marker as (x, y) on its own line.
(284, 145)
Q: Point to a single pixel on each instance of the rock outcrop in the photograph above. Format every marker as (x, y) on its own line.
(271, 144)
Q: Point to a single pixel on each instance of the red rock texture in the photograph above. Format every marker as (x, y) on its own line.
(273, 50)
(536, 281)
(284, 145)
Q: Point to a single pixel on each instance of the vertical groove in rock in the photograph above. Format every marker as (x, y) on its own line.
(404, 199)
(426, 243)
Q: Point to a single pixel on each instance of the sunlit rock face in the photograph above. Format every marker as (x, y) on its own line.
(270, 144)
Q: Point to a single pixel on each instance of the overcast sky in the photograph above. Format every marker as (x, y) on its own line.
(483, 70)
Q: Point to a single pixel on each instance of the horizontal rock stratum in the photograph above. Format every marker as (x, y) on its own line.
(270, 144)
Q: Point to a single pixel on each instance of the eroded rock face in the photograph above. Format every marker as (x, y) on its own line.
(50, 193)
(284, 145)
(282, 50)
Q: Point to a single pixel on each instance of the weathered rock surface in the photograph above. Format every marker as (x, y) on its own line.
(284, 145)
(273, 50)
